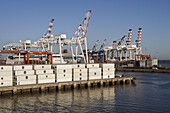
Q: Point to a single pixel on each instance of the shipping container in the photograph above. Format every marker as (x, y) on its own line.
(44, 67)
(65, 75)
(26, 77)
(61, 67)
(45, 81)
(64, 79)
(23, 67)
(92, 65)
(107, 75)
(6, 78)
(37, 72)
(78, 65)
(25, 72)
(26, 82)
(109, 65)
(78, 70)
(63, 71)
(94, 73)
(80, 76)
(47, 76)
(6, 73)
(6, 83)
(108, 69)
(8, 68)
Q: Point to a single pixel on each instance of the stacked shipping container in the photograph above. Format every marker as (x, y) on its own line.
(44, 74)
(24, 75)
(6, 76)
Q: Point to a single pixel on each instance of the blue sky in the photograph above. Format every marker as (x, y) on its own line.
(110, 19)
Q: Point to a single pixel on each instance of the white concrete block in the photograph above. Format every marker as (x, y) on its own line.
(107, 75)
(25, 72)
(108, 65)
(108, 69)
(5, 78)
(6, 73)
(26, 82)
(80, 78)
(63, 71)
(8, 68)
(26, 77)
(44, 67)
(64, 79)
(37, 72)
(56, 67)
(78, 65)
(44, 81)
(46, 76)
(78, 70)
(6, 83)
(94, 73)
(92, 65)
(23, 67)
(64, 75)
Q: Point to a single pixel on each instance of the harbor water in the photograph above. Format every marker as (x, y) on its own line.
(149, 94)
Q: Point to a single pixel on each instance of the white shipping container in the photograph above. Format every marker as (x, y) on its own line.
(80, 78)
(6, 73)
(63, 71)
(107, 75)
(23, 67)
(64, 79)
(43, 81)
(25, 72)
(5, 78)
(79, 74)
(26, 77)
(94, 73)
(109, 65)
(108, 69)
(78, 65)
(8, 68)
(44, 67)
(26, 82)
(43, 72)
(78, 70)
(47, 76)
(6, 83)
(92, 65)
(66, 75)
(56, 67)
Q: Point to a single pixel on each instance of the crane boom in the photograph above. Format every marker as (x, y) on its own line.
(95, 46)
(86, 21)
(102, 46)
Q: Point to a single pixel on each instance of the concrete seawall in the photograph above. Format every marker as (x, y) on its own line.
(58, 86)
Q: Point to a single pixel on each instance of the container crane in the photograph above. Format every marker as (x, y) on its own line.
(81, 38)
(94, 49)
(103, 45)
(138, 41)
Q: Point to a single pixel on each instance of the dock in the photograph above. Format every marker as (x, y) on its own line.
(65, 85)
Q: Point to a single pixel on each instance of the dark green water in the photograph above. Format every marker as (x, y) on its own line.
(150, 94)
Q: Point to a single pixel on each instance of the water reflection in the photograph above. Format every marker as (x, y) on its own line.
(77, 100)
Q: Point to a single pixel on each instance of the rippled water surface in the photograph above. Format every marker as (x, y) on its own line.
(149, 94)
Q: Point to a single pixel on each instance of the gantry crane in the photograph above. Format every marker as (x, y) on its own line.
(80, 39)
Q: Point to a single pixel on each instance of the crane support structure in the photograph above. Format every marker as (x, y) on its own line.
(28, 53)
(127, 51)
